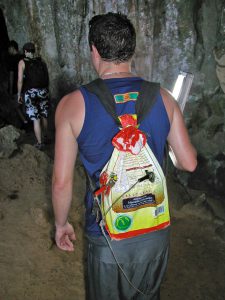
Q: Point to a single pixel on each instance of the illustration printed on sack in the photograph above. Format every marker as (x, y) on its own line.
(129, 193)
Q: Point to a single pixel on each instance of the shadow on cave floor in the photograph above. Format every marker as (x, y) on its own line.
(28, 137)
(196, 266)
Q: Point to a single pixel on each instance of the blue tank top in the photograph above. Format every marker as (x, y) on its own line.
(94, 141)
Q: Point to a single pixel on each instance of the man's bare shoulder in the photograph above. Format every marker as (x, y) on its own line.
(169, 102)
(70, 102)
(71, 110)
(167, 96)
(21, 63)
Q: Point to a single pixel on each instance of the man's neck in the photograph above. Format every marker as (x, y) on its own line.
(111, 70)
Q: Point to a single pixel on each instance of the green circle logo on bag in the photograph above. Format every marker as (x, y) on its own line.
(122, 223)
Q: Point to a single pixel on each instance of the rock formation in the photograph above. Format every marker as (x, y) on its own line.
(171, 35)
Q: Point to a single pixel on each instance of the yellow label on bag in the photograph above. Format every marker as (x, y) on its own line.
(130, 207)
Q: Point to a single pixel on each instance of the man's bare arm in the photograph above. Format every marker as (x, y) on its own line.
(182, 152)
(67, 127)
(21, 68)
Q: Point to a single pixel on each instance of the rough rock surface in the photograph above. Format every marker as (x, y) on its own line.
(8, 136)
(171, 35)
(207, 129)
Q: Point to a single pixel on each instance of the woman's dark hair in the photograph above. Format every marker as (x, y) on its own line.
(29, 47)
(114, 37)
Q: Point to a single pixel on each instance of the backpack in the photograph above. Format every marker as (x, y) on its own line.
(36, 73)
(132, 196)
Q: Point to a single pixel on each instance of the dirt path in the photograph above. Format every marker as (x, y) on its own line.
(31, 267)
(197, 261)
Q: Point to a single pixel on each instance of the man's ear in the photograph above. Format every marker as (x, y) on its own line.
(95, 52)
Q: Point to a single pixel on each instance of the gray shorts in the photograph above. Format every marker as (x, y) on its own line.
(143, 259)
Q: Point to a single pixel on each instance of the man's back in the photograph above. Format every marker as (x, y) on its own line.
(99, 128)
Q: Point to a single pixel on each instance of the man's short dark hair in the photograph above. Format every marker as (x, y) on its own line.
(114, 37)
(29, 47)
(14, 45)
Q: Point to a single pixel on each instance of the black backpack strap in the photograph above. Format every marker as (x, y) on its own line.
(146, 99)
(144, 103)
(100, 89)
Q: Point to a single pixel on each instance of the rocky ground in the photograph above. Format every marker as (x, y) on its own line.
(31, 267)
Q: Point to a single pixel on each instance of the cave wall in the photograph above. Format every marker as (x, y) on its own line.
(171, 36)
(186, 34)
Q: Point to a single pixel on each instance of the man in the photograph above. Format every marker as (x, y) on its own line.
(13, 60)
(33, 84)
(82, 123)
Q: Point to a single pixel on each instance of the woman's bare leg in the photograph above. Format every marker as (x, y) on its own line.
(37, 130)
